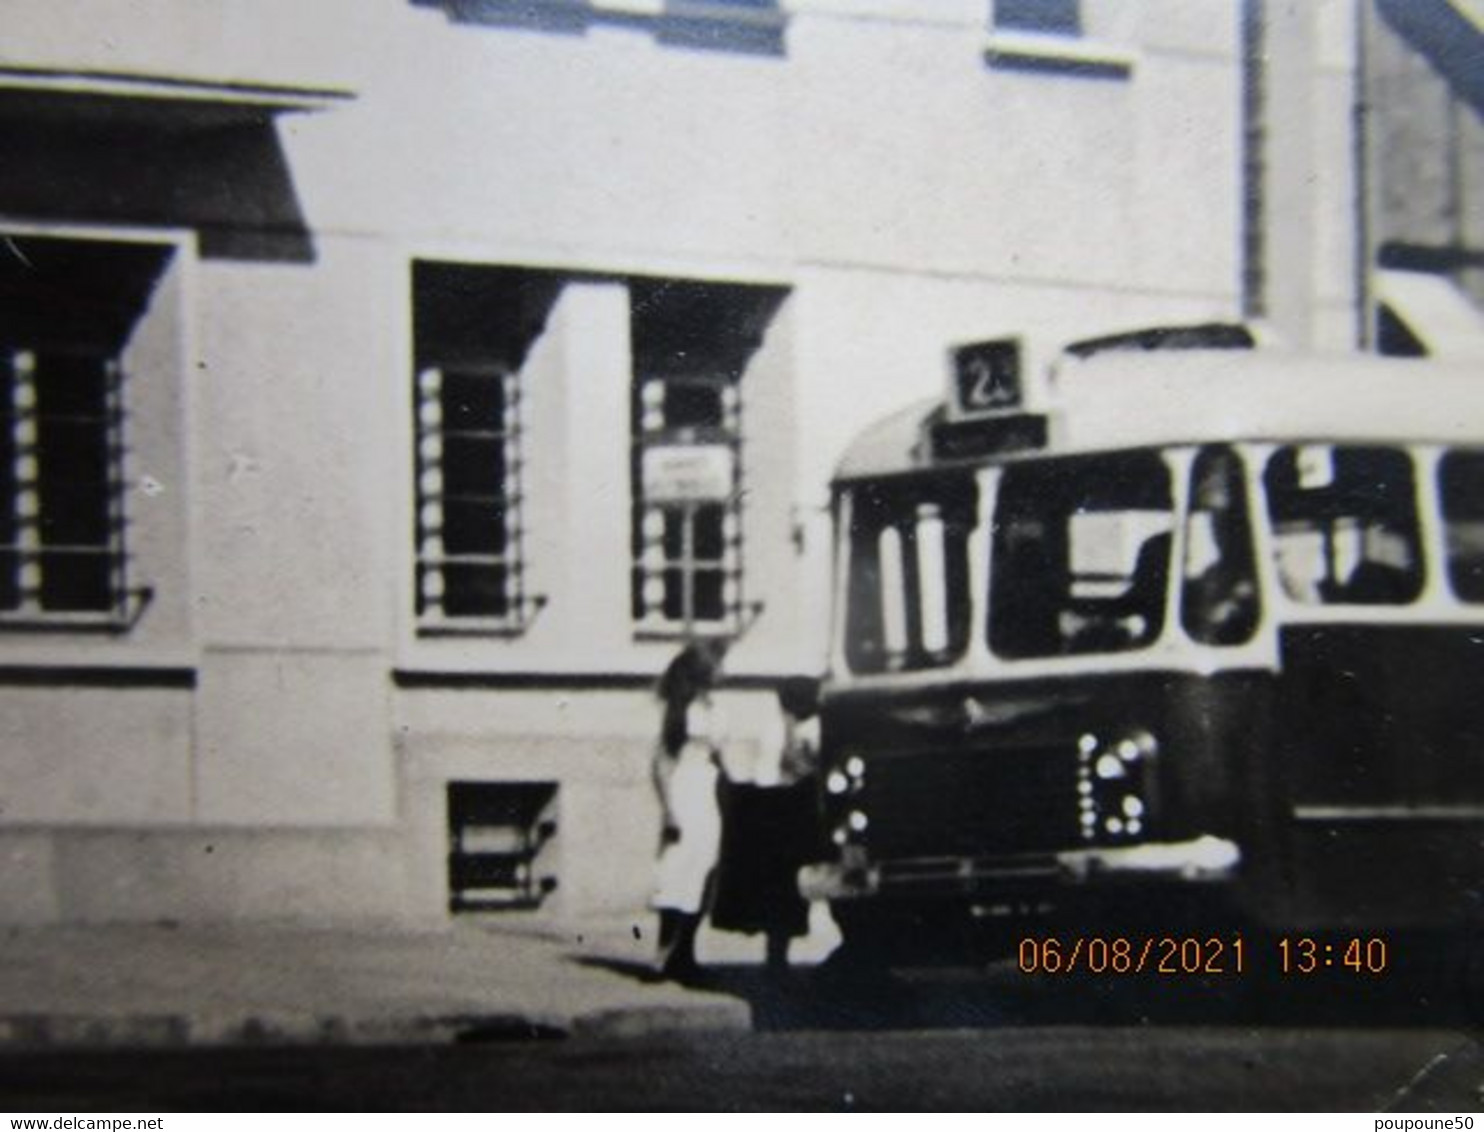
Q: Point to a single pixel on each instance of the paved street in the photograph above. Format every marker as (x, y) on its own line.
(1030, 1068)
(927, 1039)
(181, 1018)
(191, 985)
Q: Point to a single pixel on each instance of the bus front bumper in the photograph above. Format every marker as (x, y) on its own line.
(1201, 860)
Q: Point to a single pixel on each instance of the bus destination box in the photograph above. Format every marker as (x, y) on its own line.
(985, 413)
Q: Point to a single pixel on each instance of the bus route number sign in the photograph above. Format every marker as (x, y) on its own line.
(986, 377)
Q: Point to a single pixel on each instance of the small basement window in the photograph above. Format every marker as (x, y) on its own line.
(500, 845)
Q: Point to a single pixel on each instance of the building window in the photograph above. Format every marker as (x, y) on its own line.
(1046, 17)
(468, 495)
(501, 853)
(68, 314)
(692, 344)
(753, 27)
(688, 518)
(473, 327)
(61, 486)
(1046, 37)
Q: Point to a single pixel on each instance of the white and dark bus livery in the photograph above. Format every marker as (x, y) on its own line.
(1205, 636)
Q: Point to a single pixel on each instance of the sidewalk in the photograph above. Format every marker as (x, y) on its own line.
(129, 985)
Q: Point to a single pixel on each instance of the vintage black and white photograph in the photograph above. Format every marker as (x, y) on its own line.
(741, 555)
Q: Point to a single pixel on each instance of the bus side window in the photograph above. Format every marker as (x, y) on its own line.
(1461, 485)
(1218, 601)
(1345, 524)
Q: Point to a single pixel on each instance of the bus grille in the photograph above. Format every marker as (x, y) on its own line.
(971, 802)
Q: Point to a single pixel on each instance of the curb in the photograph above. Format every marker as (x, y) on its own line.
(38, 1032)
(722, 1015)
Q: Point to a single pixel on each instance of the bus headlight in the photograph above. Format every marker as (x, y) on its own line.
(844, 784)
(1115, 777)
(849, 777)
(850, 828)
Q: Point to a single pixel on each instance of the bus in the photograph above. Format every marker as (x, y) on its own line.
(1195, 639)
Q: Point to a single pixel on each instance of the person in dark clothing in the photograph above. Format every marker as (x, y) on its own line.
(769, 832)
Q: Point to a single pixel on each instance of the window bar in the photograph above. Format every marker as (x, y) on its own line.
(645, 417)
(430, 492)
(515, 558)
(652, 586)
(651, 560)
(652, 519)
(25, 544)
(430, 531)
(27, 494)
(688, 571)
(11, 364)
(731, 593)
(731, 521)
(118, 578)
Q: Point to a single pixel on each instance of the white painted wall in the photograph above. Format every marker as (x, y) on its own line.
(295, 455)
(89, 756)
(909, 197)
(1311, 185)
(74, 753)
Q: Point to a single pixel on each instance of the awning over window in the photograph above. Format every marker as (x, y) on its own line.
(156, 152)
(86, 294)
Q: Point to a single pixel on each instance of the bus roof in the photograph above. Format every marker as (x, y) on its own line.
(1147, 399)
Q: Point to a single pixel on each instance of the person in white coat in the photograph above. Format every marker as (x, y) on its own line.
(686, 771)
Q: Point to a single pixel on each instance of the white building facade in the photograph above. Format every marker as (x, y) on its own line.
(394, 384)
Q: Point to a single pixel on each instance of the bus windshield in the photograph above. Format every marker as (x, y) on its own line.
(1081, 556)
(907, 606)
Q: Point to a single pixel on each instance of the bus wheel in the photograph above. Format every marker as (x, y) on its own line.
(873, 938)
(863, 946)
(878, 936)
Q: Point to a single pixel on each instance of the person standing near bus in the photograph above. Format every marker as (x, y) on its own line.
(769, 830)
(686, 770)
